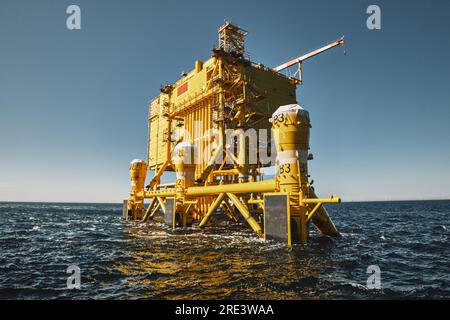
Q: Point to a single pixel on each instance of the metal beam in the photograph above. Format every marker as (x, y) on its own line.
(212, 209)
(247, 216)
(155, 210)
(150, 206)
(311, 54)
(248, 187)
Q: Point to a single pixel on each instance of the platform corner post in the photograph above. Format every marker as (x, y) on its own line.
(125, 209)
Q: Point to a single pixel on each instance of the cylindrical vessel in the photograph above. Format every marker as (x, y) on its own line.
(183, 162)
(183, 157)
(290, 125)
(138, 172)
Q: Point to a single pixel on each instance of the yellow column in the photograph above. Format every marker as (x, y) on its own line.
(138, 173)
(290, 125)
(183, 162)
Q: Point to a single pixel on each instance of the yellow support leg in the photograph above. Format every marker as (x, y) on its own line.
(212, 209)
(247, 216)
(229, 211)
(162, 204)
(155, 210)
(150, 206)
(310, 214)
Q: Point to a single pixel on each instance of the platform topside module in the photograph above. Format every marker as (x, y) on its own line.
(217, 127)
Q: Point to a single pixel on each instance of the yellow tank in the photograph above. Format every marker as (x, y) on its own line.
(215, 127)
(138, 172)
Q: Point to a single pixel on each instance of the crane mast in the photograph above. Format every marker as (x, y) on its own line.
(298, 61)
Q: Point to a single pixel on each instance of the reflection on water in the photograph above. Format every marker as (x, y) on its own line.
(130, 260)
(224, 261)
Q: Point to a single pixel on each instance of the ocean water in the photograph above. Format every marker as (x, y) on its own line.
(408, 241)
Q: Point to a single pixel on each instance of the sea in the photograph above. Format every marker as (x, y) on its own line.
(387, 250)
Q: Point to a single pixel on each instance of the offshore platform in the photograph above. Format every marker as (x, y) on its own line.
(219, 127)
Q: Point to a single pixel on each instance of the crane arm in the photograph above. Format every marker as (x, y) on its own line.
(311, 54)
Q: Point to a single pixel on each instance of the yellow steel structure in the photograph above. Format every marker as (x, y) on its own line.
(189, 125)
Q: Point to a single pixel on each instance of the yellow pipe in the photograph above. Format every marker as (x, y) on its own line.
(155, 210)
(248, 187)
(310, 214)
(189, 206)
(243, 210)
(220, 169)
(162, 193)
(162, 204)
(229, 172)
(164, 185)
(333, 199)
(259, 202)
(322, 220)
(229, 211)
(212, 209)
(161, 170)
(150, 206)
(256, 201)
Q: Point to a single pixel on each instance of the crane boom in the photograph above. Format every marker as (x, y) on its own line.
(311, 54)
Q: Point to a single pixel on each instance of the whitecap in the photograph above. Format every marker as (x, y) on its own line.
(358, 285)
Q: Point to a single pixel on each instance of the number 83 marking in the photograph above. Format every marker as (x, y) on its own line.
(285, 168)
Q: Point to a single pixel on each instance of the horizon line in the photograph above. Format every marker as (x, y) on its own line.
(348, 201)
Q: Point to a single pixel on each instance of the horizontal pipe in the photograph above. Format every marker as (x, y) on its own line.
(248, 187)
(171, 184)
(256, 201)
(324, 200)
(162, 193)
(229, 172)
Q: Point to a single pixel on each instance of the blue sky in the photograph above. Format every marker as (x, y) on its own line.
(73, 104)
